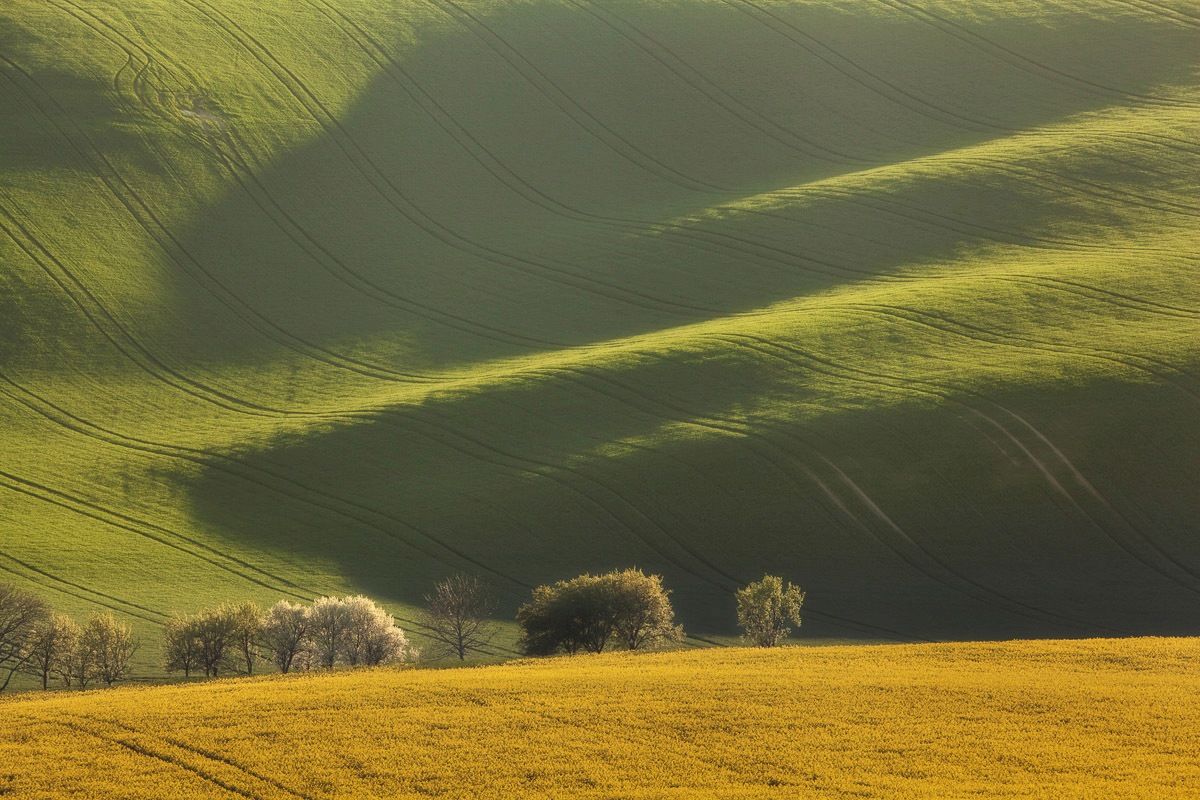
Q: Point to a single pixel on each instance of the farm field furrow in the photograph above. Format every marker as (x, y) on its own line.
(1061, 719)
(897, 299)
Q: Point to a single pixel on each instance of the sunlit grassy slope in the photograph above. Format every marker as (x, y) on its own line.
(898, 299)
(1092, 718)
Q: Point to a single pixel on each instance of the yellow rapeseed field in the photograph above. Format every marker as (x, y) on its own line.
(1094, 718)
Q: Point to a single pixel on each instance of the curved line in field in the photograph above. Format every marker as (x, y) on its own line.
(567, 105)
(195, 750)
(961, 329)
(129, 46)
(143, 529)
(217, 461)
(57, 580)
(725, 425)
(953, 394)
(146, 752)
(1163, 11)
(846, 67)
(410, 211)
(722, 99)
(1030, 65)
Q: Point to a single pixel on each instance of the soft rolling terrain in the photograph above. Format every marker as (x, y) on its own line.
(1101, 718)
(896, 299)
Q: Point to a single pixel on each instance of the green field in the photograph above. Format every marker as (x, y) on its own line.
(896, 299)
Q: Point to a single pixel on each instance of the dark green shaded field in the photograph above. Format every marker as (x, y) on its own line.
(895, 299)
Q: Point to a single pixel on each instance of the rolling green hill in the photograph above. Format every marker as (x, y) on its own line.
(897, 299)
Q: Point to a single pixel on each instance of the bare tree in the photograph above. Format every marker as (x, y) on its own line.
(21, 613)
(458, 615)
(764, 609)
(110, 647)
(285, 634)
(183, 646)
(52, 648)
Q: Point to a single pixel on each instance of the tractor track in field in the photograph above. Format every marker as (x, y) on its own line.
(562, 100)
(220, 292)
(221, 462)
(968, 228)
(1169, 567)
(1023, 62)
(387, 189)
(848, 69)
(428, 377)
(207, 755)
(107, 600)
(549, 471)
(717, 96)
(153, 532)
(241, 170)
(208, 770)
(158, 369)
(522, 187)
(736, 244)
(1163, 11)
(113, 331)
(207, 281)
(951, 327)
(728, 426)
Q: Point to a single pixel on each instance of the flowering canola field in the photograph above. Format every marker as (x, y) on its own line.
(1085, 718)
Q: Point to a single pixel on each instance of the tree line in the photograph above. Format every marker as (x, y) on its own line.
(46, 646)
(622, 609)
(333, 631)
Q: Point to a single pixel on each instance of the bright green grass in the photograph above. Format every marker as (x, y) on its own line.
(896, 299)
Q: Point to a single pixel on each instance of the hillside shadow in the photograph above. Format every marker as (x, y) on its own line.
(525, 181)
(512, 188)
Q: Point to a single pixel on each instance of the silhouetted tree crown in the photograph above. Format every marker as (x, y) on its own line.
(21, 614)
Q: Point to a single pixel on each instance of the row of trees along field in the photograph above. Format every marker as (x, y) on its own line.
(624, 609)
(48, 646)
(333, 631)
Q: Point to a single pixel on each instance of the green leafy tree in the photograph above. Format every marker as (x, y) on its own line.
(588, 612)
(764, 609)
(642, 612)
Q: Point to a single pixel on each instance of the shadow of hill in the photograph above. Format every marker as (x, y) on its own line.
(545, 178)
(526, 179)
